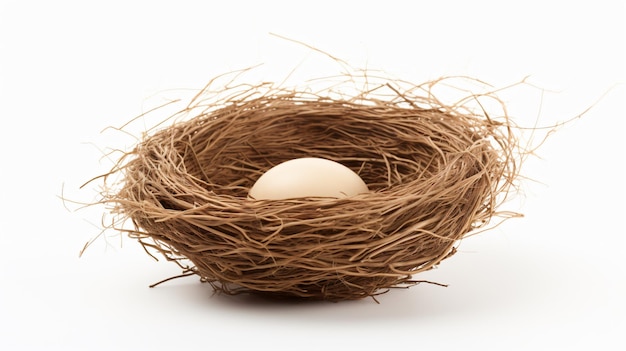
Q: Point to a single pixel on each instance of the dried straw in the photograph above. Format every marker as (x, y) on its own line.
(437, 173)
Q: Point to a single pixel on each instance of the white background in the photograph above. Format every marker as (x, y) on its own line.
(553, 280)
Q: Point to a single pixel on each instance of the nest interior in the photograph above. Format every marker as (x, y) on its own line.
(435, 175)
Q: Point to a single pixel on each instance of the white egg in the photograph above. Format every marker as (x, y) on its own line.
(308, 177)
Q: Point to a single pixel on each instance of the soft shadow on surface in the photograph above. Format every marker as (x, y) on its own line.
(422, 300)
(480, 283)
(397, 303)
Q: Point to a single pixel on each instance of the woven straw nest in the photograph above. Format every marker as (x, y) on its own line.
(436, 173)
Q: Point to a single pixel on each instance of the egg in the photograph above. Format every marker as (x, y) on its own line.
(308, 177)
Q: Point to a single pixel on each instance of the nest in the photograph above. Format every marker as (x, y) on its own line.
(436, 173)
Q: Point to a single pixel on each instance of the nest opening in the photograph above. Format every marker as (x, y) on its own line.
(436, 173)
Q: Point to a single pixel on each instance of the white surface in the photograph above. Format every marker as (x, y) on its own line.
(554, 280)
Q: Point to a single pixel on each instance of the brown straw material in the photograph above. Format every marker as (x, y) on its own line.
(436, 173)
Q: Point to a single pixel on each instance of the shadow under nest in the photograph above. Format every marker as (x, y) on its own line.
(435, 175)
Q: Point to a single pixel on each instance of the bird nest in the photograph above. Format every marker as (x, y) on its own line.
(436, 174)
